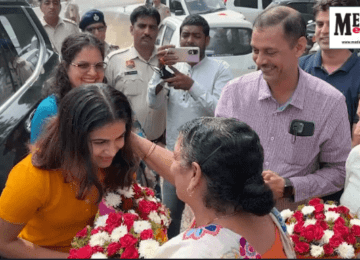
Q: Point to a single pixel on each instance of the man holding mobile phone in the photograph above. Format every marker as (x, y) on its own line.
(301, 165)
(192, 91)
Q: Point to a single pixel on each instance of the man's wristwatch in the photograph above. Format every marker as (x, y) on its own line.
(288, 189)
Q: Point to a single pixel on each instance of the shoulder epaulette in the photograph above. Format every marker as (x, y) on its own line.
(111, 54)
(69, 21)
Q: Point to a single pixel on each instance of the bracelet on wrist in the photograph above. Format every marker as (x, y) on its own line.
(152, 148)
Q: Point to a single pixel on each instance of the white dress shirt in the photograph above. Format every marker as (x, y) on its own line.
(209, 75)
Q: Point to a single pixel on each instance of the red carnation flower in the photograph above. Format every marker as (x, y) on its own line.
(146, 234)
(96, 230)
(341, 230)
(319, 208)
(128, 240)
(114, 219)
(295, 239)
(82, 233)
(130, 253)
(129, 220)
(84, 252)
(72, 253)
(298, 216)
(137, 191)
(97, 249)
(322, 224)
(339, 221)
(343, 210)
(328, 250)
(314, 202)
(335, 209)
(302, 247)
(335, 241)
(312, 232)
(113, 248)
(147, 206)
(149, 192)
(355, 230)
(319, 216)
(299, 227)
(109, 228)
(350, 239)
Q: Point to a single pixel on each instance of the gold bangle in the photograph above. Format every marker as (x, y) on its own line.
(152, 148)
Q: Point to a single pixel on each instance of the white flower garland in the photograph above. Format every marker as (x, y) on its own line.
(148, 248)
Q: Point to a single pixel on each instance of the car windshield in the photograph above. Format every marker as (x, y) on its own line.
(229, 42)
(204, 6)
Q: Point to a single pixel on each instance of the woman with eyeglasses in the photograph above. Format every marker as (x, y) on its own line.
(216, 169)
(82, 62)
(54, 192)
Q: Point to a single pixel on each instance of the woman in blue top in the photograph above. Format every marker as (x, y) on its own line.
(82, 62)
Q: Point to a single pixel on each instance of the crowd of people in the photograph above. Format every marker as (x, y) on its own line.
(235, 151)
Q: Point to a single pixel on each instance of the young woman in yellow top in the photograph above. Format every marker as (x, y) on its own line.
(54, 192)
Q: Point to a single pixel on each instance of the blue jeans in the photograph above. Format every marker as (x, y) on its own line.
(176, 206)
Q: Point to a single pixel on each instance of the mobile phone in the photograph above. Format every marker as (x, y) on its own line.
(301, 128)
(187, 54)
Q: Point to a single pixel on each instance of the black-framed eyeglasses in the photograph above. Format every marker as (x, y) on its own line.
(85, 66)
(99, 28)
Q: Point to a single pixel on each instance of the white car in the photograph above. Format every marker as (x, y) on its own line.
(229, 39)
(250, 8)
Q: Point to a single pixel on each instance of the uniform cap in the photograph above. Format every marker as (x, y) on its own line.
(90, 17)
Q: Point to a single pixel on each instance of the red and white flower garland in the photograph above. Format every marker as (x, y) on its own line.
(136, 228)
(323, 230)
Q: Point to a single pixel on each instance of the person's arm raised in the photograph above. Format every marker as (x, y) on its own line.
(159, 159)
(11, 246)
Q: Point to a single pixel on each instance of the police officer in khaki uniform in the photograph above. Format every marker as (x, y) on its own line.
(163, 10)
(56, 27)
(93, 22)
(131, 69)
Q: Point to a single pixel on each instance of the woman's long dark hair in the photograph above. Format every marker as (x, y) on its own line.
(65, 143)
(59, 83)
(231, 159)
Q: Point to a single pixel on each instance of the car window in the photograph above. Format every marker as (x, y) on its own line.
(19, 47)
(246, 3)
(304, 8)
(204, 6)
(265, 3)
(229, 42)
(168, 35)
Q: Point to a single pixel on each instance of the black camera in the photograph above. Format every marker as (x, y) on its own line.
(193, 52)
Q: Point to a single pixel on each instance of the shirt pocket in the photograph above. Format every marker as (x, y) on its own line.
(133, 83)
(298, 150)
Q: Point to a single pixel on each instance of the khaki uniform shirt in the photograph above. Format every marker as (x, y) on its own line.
(163, 10)
(128, 72)
(63, 29)
(110, 48)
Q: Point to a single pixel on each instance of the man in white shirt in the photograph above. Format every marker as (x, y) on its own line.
(56, 27)
(193, 92)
